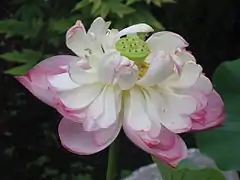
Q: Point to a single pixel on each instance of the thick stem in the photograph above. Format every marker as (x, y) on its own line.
(112, 160)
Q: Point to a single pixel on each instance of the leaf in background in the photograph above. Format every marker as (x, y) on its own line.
(223, 143)
(157, 2)
(146, 17)
(22, 57)
(81, 4)
(168, 1)
(129, 2)
(19, 70)
(169, 173)
(115, 7)
(96, 5)
(60, 25)
(26, 29)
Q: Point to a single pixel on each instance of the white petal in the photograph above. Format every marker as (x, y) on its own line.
(112, 100)
(142, 27)
(127, 74)
(204, 84)
(182, 57)
(81, 73)
(81, 97)
(161, 66)
(99, 28)
(104, 110)
(134, 111)
(166, 41)
(176, 123)
(164, 109)
(108, 65)
(185, 56)
(76, 39)
(108, 43)
(181, 104)
(62, 82)
(188, 77)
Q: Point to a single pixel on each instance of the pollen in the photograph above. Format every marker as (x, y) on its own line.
(134, 48)
(143, 69)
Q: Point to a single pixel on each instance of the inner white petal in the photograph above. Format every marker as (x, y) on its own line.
(134, 112)
(62, 82)
(81, 97)
(81, 73)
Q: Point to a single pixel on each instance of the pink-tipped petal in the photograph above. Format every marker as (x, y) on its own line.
(36, 80)
(211, 115)
(76, 38)
(78, 141)
(43, 94)
(159, 142)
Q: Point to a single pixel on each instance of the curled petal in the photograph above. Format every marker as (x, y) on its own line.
(211, 115)
(36, 80)
(137, 28)
(82, 73)
(126, 74)
(189, 75)
(161, 66)
(203, 85)
(166, 41)
(181, 57)
(159, 142)
(108, 66)
(76, 140)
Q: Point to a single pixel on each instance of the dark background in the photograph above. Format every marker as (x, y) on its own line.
(30, 148)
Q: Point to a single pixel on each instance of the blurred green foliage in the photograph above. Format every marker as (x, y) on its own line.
(35, 29)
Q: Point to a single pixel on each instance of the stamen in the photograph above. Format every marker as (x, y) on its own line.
(143, 69)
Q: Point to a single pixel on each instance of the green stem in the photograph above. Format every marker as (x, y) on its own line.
(112, 160)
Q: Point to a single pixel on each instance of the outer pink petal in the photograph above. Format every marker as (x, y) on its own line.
(78, 141)
(211, 115)
(160, 143)
(36, 80)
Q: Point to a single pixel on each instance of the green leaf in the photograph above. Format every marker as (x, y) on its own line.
(81, 5)
(223, 143)
(60, 25)
(26, 29)
(118, 8)
(129, 2)
(157, 2)
(22, 57)
(169, 173)
(168, 1)
(96, 5)
(19, 70)
(145, 17)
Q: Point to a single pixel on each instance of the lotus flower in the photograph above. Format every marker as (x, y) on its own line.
(153, 89)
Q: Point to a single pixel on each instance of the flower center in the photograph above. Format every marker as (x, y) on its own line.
(134, 48)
